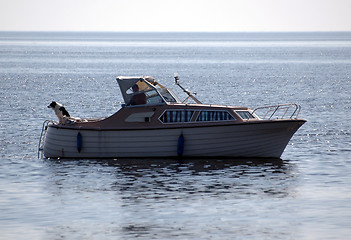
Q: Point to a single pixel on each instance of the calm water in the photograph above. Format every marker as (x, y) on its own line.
(306, 195)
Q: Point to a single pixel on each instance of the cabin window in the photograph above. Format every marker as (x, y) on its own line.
(177, 116)
(245, 115)
(210, 116)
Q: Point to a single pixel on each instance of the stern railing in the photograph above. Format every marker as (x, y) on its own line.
(43, 135)
(280, 111)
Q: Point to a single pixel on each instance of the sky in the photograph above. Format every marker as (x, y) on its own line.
(175, 15)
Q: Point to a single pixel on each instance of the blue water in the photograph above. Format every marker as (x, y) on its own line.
(306, 195)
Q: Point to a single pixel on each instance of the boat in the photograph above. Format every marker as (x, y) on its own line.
(152, 122)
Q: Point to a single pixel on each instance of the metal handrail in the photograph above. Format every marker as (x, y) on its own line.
(274, 109)
(43, 135)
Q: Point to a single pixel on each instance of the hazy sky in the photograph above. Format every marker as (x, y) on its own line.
(175, 15)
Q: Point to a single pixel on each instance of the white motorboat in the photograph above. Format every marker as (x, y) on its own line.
(153, 122)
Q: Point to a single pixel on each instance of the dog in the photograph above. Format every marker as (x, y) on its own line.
(60, 111)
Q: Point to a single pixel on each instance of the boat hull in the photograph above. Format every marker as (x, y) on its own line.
(258, 139)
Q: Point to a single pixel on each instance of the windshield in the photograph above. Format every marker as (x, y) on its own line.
(168, 95)
(144, 90)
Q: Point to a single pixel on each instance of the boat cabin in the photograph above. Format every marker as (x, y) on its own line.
(146, 99)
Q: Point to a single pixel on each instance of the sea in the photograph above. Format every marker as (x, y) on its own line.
(304, 195)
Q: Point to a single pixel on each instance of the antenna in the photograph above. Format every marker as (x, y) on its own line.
(176, 78)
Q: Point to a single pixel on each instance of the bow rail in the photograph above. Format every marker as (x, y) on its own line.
(280, 111)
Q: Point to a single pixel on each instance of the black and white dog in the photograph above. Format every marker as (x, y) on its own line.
(60, 111)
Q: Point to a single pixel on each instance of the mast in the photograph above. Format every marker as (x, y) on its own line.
(190, 94)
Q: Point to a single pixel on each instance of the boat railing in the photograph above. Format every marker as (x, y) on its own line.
(281, 111)
(43, 135)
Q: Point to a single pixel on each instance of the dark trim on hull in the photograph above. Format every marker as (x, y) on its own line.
(302, 121)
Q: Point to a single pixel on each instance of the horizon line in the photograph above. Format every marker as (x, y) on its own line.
(108, 31)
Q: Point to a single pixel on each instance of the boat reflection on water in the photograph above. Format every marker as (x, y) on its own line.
(167, 198)
(193, 165)
(204, 177)
(170, 178)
